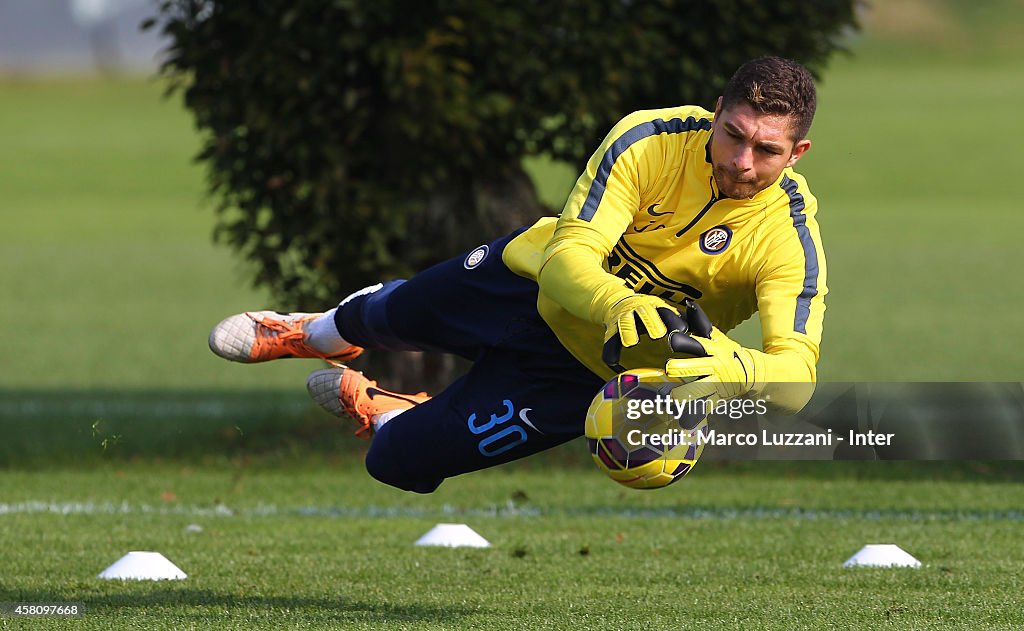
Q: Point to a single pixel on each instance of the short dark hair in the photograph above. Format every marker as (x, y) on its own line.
(773, 85)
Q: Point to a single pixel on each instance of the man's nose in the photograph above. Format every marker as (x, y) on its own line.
(743, 160)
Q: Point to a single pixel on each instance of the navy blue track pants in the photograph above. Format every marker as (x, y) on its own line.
(524, 392)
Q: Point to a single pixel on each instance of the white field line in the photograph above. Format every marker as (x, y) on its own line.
(260, 510)
(111, 508)
(508, 510)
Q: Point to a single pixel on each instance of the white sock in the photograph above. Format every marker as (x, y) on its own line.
(322, 334)
(379, 420)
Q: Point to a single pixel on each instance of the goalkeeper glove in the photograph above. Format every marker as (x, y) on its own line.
(718, 359)
(655, 317)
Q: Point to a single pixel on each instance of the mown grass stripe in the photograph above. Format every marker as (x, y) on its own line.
(152, 406)
(512, 510)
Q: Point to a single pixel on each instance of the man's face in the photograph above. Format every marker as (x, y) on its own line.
(749, 150)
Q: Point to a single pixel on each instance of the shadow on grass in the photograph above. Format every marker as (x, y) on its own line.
(52, 428)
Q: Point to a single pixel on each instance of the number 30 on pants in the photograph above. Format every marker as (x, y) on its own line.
(504, 438)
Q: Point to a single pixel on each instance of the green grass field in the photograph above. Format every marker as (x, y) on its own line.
(106, 243)
(316, 547)
(121, 428)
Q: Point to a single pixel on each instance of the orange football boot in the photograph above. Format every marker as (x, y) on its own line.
(343, 391)
(259, 336)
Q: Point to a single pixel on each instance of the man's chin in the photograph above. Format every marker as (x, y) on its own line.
(732, 189)
(739, 191)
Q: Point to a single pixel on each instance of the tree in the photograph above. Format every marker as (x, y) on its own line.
(349, 142)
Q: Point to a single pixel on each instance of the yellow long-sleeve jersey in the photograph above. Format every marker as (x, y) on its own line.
(646, 217)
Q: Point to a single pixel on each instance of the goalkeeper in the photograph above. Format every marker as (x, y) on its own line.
(677, 205)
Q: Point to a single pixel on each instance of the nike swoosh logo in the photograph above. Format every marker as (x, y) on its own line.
(372, 392)
(654, 214)
(523, 418)
(736, 356)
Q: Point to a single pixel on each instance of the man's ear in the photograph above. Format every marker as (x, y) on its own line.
(799, 149)
(718, 107)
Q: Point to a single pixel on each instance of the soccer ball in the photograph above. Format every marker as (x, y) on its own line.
(616, 428)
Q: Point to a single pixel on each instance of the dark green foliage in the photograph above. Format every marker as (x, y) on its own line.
(350, 141)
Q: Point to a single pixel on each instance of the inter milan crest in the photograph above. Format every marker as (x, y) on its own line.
(476, 257)
(714, 241)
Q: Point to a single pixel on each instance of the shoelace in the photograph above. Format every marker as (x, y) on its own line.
(294, 335)
(280, 329)
(365, 429)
